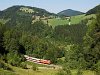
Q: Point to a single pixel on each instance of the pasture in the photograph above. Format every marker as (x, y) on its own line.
(42, 70)
(74, 20)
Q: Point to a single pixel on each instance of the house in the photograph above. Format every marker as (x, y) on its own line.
(69, 19)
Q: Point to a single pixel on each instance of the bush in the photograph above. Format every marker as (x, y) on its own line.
(34, 67)
(6, 72)
(66, 68)
(64, 72)
(4, 66)
(68, 72)
(97, 68)
(23, 65)
(14, 59)
(60, 61)
(1, 64)
(79, 72)
(61, 72)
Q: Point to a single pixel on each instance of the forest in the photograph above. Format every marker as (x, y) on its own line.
(78, 44)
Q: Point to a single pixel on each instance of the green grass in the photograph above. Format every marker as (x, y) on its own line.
(47, 71)
(55, 22)
(86, 72)
(74, 20)
(89, 16)
(31, 72)
(5, 72)
(77, 19)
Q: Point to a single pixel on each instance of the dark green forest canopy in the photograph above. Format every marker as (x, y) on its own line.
(92, 43)
(70, 12)
(94, 10)
(15, 10)
(71, 34)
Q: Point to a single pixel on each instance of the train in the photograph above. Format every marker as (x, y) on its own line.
(36, 60)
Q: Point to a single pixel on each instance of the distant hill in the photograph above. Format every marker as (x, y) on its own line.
(69, 12)
(23, 10)
(22, 15)
(94, 10)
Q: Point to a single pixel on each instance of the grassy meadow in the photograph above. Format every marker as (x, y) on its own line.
(42, 70)
(74, 20)
(19, 71)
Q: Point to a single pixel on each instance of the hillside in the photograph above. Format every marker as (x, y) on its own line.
(70, 12)
(23, 10)
(94, 10)
(73, 47)
(74, 20)
(23, 14)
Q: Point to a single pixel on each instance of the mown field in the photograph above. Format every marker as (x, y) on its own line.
(19, 71)
(42, 70)
(74, 20)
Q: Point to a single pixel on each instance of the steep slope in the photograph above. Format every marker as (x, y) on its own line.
(94, 10)
(70, 12)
